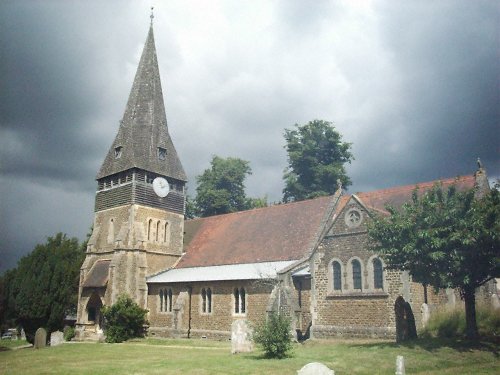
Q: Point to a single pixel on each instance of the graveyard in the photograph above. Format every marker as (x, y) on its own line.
(198, 356)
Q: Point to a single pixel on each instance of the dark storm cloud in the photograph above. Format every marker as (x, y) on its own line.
(447, 115)
(413, 85)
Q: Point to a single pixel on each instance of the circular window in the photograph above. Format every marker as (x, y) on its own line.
(353, 217)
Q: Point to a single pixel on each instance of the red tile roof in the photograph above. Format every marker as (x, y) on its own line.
(398, 195)
(275, 233)
(280, 232)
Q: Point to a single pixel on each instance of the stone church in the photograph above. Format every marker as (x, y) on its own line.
(308, 259)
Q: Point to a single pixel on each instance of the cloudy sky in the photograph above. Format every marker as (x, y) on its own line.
(413, 85)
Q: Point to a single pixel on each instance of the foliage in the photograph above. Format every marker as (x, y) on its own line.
(190, 212)
(7, 312)
(450, 323)
(447, 239)
(221, 188)
(44, 287)
(69, 333)
(316, 158)
(274, 336)
(123, 320)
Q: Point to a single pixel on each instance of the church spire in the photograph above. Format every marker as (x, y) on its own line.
(143, 140)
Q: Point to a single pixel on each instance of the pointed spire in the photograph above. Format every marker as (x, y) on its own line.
(143, 140)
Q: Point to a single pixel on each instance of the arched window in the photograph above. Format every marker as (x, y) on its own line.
(356, 274)
(209, 301)
(157, 230)
(378, 278)
(165, 233)
(337, 276)
(150, 223)
(203, 300)
(161, 299)
(111, 231)
(242, 301)
(206, 301)
(169, 301)
(239, 301)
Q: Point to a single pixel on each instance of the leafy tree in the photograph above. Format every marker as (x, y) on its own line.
(221, 188)
(274, 336)
(123, 320)
(316, 158)
(447, 239)
(45, 284)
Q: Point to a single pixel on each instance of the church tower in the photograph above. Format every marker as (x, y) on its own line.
(139, 204)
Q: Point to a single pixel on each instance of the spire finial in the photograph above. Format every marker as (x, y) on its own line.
(152, 16)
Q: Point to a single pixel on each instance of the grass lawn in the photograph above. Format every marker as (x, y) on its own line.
(155, 356)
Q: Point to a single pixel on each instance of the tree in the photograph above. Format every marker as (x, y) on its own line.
(274, 336)
(446, 239)
(221, 188)
(123, 320)
(45, 284)
(316, 158)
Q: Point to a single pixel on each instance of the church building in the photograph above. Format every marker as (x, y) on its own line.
(307, 259)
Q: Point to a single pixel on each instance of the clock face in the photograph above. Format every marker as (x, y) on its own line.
(161, 187)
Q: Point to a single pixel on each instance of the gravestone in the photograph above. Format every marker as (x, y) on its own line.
(495, 301)
(400, 365)
(241, 337)
(426, 314)
(23, 334)
(56, 338)
(40, 338)
(315, 368)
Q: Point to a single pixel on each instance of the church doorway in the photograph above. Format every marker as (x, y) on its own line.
(94, 315)
(405, 321)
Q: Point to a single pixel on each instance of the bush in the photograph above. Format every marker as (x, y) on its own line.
(123, 320)
(69, 333)
(450, 323)
(274, 336)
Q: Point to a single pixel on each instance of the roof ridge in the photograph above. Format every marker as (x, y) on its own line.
(261, 208)
(417, 184)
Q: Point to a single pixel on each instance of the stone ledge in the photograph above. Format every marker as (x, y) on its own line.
(357, 295)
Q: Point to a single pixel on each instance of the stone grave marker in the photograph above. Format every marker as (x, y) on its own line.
(426, 314)
(241, 337)
(400, 365)
(40, 338)
(315, 368)
(23, 334)
(56, 338)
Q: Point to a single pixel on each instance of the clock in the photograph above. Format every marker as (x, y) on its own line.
(161, 187)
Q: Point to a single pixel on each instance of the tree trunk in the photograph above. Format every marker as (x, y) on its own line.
(470, 314)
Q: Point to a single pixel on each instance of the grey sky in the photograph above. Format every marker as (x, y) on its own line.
(413, 85)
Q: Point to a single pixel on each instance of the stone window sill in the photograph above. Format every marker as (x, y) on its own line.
(349, 294)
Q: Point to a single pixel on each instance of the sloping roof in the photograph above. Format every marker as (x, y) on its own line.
(397, 196)
(144, 125)
(246, 271)
(277, 233)
(98, 275)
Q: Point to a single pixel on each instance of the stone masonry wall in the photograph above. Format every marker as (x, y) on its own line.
(215, 325)
(353, 312)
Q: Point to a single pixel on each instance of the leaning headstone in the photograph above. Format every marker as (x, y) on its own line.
(315, 368)
(241, 337)
(56, 338)
(40, 338)
(400, 365)
(426, 314)
(495, 301)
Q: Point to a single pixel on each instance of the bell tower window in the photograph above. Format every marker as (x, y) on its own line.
(162, 153)
(118, 152)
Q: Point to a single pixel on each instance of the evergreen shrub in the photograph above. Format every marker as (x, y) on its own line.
(274, 336)
(123, 320)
